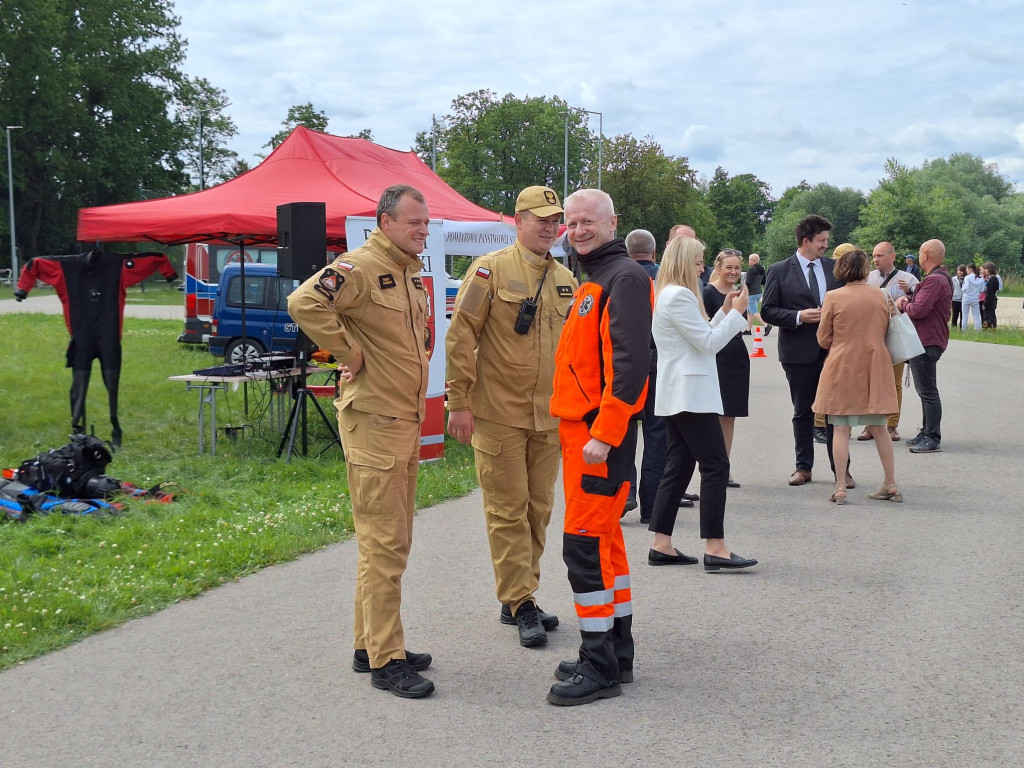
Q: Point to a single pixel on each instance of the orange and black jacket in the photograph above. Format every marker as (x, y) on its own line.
(603, 356)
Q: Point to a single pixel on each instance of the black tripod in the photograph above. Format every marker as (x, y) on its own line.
(298, 414)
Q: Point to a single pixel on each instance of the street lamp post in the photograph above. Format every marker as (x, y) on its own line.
(202, 177)
(600, 144)
(202, 169)
(565, 167)
(600, 140)
(433, 142)
(10, 202)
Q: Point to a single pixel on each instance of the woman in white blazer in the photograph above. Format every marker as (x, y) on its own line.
(689, 398)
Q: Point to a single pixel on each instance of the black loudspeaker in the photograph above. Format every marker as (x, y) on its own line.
(301, 239)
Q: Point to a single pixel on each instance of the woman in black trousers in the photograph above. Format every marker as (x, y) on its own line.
(689, 398)
(988, 312)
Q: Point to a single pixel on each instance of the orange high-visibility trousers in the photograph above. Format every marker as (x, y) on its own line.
(594, 551)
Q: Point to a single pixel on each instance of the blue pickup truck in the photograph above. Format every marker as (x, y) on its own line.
(268, 326)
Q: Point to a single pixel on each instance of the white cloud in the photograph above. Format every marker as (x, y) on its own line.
(701, 144)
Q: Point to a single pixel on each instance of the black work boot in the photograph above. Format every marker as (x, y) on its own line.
(567, 669)
(581, 688)
(418, 661)
(401, 679)
(531, 631)
(549, 620)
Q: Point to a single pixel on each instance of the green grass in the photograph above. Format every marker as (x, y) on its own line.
(155, 292)
(1013, 286)
(63, 578)
(1010, 335)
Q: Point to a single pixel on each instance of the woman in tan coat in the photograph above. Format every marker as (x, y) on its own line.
(856, 386)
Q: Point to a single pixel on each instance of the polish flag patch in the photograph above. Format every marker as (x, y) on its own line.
(345, 265)
(484, 273)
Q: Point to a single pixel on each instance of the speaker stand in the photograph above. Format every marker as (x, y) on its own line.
(299, 410)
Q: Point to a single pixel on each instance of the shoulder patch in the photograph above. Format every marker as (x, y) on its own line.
(387, 281)
(345, 265)
(330, 280)
(483, 272)
(565, 290)
(586, 305)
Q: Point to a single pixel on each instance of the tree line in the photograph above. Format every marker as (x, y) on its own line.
(488, 148)
(107, 116)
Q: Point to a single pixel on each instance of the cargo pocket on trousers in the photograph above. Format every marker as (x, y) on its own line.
(367, 479)
(599, 486)
(491, 479)
(593, 503)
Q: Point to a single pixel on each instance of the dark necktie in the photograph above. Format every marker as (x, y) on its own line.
(812, 279)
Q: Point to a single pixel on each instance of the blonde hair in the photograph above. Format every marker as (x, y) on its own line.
(722, 256)
(678, 268)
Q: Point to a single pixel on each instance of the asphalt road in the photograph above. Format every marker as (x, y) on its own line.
(45, 302)
(872, 634)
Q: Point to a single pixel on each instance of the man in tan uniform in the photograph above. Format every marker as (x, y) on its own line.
(369, 310)
(501, 353)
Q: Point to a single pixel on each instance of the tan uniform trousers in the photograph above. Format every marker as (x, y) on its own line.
(517, 469)
(382, 455)
(894, 418)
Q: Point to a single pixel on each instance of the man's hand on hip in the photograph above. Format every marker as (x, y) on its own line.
(350, 371)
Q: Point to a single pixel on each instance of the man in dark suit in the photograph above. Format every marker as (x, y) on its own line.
(794, 291)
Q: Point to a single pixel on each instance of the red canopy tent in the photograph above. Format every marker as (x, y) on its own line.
(347, 174)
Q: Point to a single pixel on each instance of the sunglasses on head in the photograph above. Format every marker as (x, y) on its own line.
(732, 252)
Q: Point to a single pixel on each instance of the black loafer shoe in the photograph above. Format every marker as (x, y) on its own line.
(654, 557)
(549, 620)
(685, 503)
(820, 435)
(531, 631)
(567, 669)
(581, 689)
(733, 484)
(401, 679)
(418, 661)
(733, 562)
(691, 497)
(767, 330)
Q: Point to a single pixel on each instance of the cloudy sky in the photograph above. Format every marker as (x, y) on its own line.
(788, 90)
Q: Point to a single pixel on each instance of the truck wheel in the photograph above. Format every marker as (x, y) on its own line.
(237, 354)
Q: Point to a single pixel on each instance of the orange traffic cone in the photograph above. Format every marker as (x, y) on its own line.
(758, 342)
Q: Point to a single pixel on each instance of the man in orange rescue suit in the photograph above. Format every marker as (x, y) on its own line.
(369, 309)
(501, 359)
(600, 385)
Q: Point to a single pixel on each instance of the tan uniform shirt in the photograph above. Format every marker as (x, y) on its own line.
(500, 375)
(371, 300)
